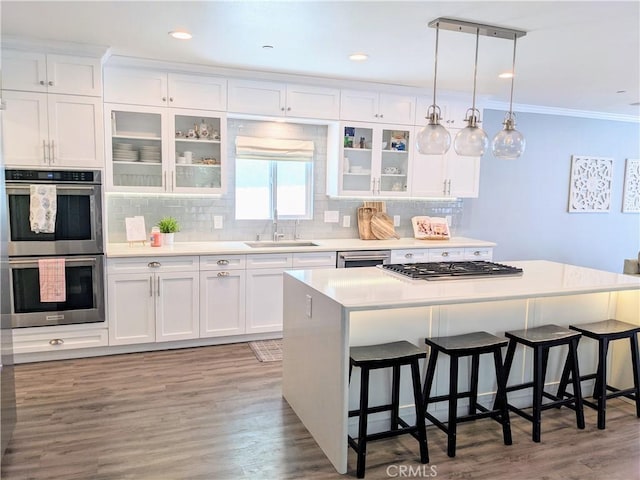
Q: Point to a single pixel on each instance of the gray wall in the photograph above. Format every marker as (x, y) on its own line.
(523, 204)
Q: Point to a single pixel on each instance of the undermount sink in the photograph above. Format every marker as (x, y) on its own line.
(282, 244)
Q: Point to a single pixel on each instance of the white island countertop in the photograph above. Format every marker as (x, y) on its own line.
(323, 245)
(364, 288)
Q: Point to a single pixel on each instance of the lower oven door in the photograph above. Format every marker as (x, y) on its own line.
(84, 302)
(363, 258)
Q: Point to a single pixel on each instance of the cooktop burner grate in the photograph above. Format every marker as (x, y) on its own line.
(453, 270)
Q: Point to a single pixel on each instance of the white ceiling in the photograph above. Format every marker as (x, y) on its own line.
(576, 55)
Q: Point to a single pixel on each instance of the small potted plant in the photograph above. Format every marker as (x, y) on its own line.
(168, 226)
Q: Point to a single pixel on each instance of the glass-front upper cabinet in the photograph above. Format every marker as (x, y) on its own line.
(163, 150)
(374, 160)
(196, 144)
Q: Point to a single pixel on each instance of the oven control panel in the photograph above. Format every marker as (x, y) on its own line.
(76, 176)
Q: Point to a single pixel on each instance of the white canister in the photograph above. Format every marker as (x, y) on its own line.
(188, 157)
(181, 159)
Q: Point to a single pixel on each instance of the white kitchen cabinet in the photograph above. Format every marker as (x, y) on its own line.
(373, 160)
(478, 253)
(49, 73)
(448, 175)
(452, 111)
(47, 130)
(60, 337)
(264, 309)
(365, 106)
(151, 300)
(280, 99)
(222, 295)
(308, 260)
(446, 254)
(146, 144)
(413, 255)
(162, 89)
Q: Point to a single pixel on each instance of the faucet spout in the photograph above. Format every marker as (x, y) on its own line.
(276, 235)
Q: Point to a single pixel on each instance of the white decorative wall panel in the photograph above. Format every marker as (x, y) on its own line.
(631, 197)
(590, 189)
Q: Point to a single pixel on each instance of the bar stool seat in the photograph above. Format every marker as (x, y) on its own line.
(387, 355)
(604, 332)
(541, 339)
(473, 345)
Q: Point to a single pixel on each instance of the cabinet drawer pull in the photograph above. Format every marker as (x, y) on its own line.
(445, 254)
(223, 262)
(223, 274)
(477, 253)
(408, 255)
(56, 341)
(154, 264)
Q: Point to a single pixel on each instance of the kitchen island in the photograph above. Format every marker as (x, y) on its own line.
(327, 311)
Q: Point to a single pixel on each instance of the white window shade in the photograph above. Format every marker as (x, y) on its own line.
(257, 148)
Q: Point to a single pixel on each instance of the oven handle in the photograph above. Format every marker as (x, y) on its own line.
(61, 186)
(364, 257)
(67, 260)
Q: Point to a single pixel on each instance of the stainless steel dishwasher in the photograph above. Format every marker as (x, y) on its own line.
(362, 258)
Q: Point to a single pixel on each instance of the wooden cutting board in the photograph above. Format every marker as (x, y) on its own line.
(364, 223)
(382, 226)
(380, 206)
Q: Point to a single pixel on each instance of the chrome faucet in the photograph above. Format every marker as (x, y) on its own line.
(276, 236)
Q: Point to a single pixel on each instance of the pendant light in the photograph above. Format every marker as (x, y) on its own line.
(471, 140)
(509, 143)
(433, 138)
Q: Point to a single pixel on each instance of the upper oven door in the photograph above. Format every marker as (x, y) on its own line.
(78, 227)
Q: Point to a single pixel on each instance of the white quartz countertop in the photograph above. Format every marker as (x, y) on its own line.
(367, 287)
(240, 247)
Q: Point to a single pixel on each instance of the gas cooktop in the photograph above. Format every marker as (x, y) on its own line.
(453, 270)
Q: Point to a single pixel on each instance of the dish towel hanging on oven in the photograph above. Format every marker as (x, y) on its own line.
(42, 208)
(52, 280)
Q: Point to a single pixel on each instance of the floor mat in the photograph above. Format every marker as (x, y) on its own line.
(267, 350)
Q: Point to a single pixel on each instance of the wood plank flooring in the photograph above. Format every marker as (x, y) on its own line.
(216, 413)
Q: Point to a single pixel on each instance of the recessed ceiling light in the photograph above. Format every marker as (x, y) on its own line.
(506, 75)
(358, 57)
(181, 35)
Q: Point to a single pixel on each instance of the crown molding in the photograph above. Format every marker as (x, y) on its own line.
(49, 46)
(567, 112)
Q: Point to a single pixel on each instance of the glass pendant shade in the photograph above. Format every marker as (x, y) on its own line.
(471, 141)
(433, 138)
(509, 143)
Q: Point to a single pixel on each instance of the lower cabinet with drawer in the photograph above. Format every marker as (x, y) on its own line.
(420, 255)
(152, 300)
(222, 295)
(56, 338)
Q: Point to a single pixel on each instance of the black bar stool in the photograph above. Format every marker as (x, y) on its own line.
(541, 339)
(604, 332)
(387, 355)
(471, 344)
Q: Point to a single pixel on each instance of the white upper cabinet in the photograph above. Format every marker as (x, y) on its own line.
(448, 175)
(367, 106)
(280, 99)
(49, 73)
(451, 111)
(43, 130)
(162, 89)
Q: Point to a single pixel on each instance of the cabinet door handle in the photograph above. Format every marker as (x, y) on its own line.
(158, 286)
(165, 182)
(449, 187)
(154, 264)
(223, 274)
(44, 152)
(41, 82)
(223, 262)
(282, 109)
(171, 99)
(173, 180)
(382, 115)
(376, 115)
(56, 341)
(50, 83)
(444, 187)
(288, 109)
(53, 152)
(150, 285)
(164, 99)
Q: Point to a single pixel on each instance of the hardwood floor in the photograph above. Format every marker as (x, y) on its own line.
(216, 413)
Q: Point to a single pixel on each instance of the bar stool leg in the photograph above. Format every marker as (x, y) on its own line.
(473, 398)
(362, 428)
(420, 420)
(564, 380)
(538, 386)
(508, 361)
(428, 379)
(501, 396)
(636, 370)
(453, 406)
(395, 397)
(600, 388)
(577, 391)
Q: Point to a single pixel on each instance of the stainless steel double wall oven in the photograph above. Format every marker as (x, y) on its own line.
(77, 238)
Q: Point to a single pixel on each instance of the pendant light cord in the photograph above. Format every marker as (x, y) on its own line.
(435, 70)
(513, 74)
(475, 73)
